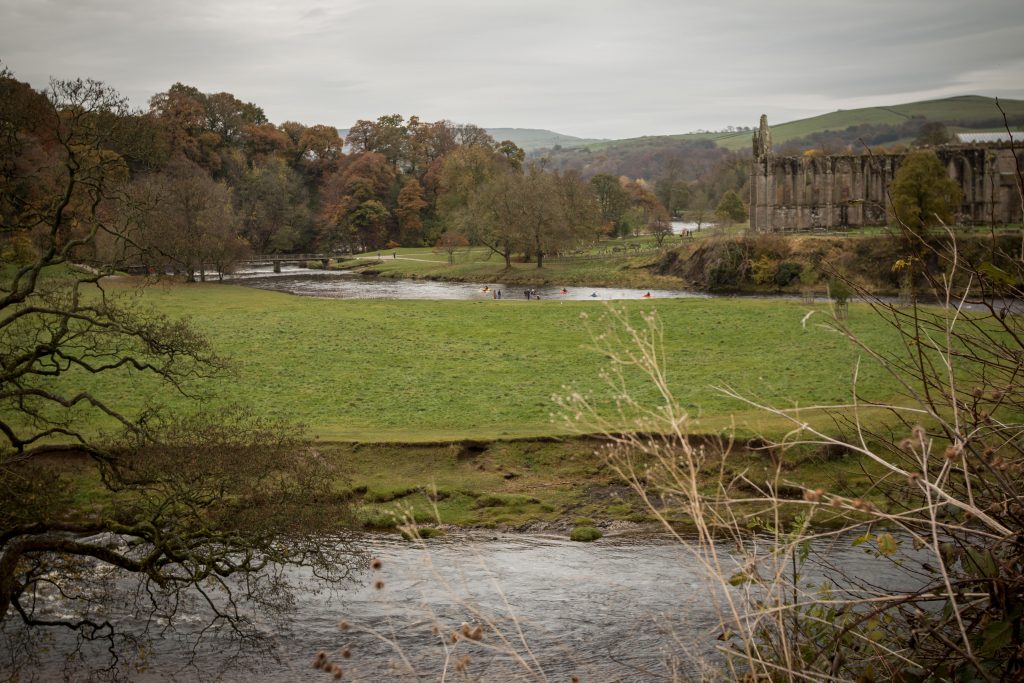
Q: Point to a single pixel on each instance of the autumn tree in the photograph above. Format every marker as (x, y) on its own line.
(612, 199)
(534, 212)
(187, 218)
(933, 133)
(673, 193)
(493, 216)
(450, 242)
(730, 208)
(659, 225)
(354, 203)
(699, 207)
(512, 152)
(273, 205)
(578, 208)
(318, 151)
(208, 128)
(182, 508)
(462, 173)
(386, 136)
(410, 206)
(922, 193)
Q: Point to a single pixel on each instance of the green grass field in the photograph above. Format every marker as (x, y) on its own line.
(416, 371)
(477, 265)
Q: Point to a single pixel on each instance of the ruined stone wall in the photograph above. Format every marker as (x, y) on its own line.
(840, 191)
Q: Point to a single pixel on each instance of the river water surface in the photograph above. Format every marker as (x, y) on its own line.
(333, 284)
(625, 608)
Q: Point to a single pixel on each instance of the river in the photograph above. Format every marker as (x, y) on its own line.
(335, 284)
(625, 608)
(340, 284)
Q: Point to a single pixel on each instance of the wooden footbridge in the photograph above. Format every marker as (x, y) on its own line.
(278, 259)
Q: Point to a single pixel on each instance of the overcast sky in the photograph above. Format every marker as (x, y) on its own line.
(590, 68)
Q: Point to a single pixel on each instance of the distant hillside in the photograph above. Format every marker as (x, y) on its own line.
(693, 155)
(530, 139)
(966, 112)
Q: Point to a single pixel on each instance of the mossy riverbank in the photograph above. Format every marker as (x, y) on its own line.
(548, 486)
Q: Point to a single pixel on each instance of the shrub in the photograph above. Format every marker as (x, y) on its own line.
(839, 290)
(726, 266)
(585, 534)
(787, 272)
(764, 270)
(808, 275)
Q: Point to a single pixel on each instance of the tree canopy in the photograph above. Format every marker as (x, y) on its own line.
(186, 507)
(922, 193)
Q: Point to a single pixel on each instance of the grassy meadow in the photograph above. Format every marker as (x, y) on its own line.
(625, 269)
(424, 371)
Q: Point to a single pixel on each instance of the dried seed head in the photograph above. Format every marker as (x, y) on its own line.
(376, 564)
(346, 653)
(836, 502)
(575, 679)
(978, 392)
(813, 496)
(918, 432)
(907, 445)
(378, 584)
(434, 629)
(344, 625)
(455, 636)
(953, 451)
(336, 671)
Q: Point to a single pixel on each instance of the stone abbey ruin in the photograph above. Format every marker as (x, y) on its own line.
(850, 190)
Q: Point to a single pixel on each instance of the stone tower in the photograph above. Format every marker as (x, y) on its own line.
(763, 139)
(762, 178)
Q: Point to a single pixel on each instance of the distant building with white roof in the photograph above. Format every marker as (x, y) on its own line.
(983, 138)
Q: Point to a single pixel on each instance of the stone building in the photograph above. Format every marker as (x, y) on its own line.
(850, 190)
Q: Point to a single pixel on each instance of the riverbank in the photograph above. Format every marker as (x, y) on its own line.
(714, 261)
(531, 485)
(626, 268)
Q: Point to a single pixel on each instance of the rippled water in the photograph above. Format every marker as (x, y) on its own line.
(627, 608)
(347, 285)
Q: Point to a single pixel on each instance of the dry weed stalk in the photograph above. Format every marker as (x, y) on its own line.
(941, 595)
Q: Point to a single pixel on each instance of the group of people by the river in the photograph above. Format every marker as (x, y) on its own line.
(531, 294)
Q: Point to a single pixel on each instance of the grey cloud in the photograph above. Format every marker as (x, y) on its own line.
(595, 68)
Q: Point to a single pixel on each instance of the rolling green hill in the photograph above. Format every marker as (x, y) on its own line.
(530, 139)
(966, 112)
